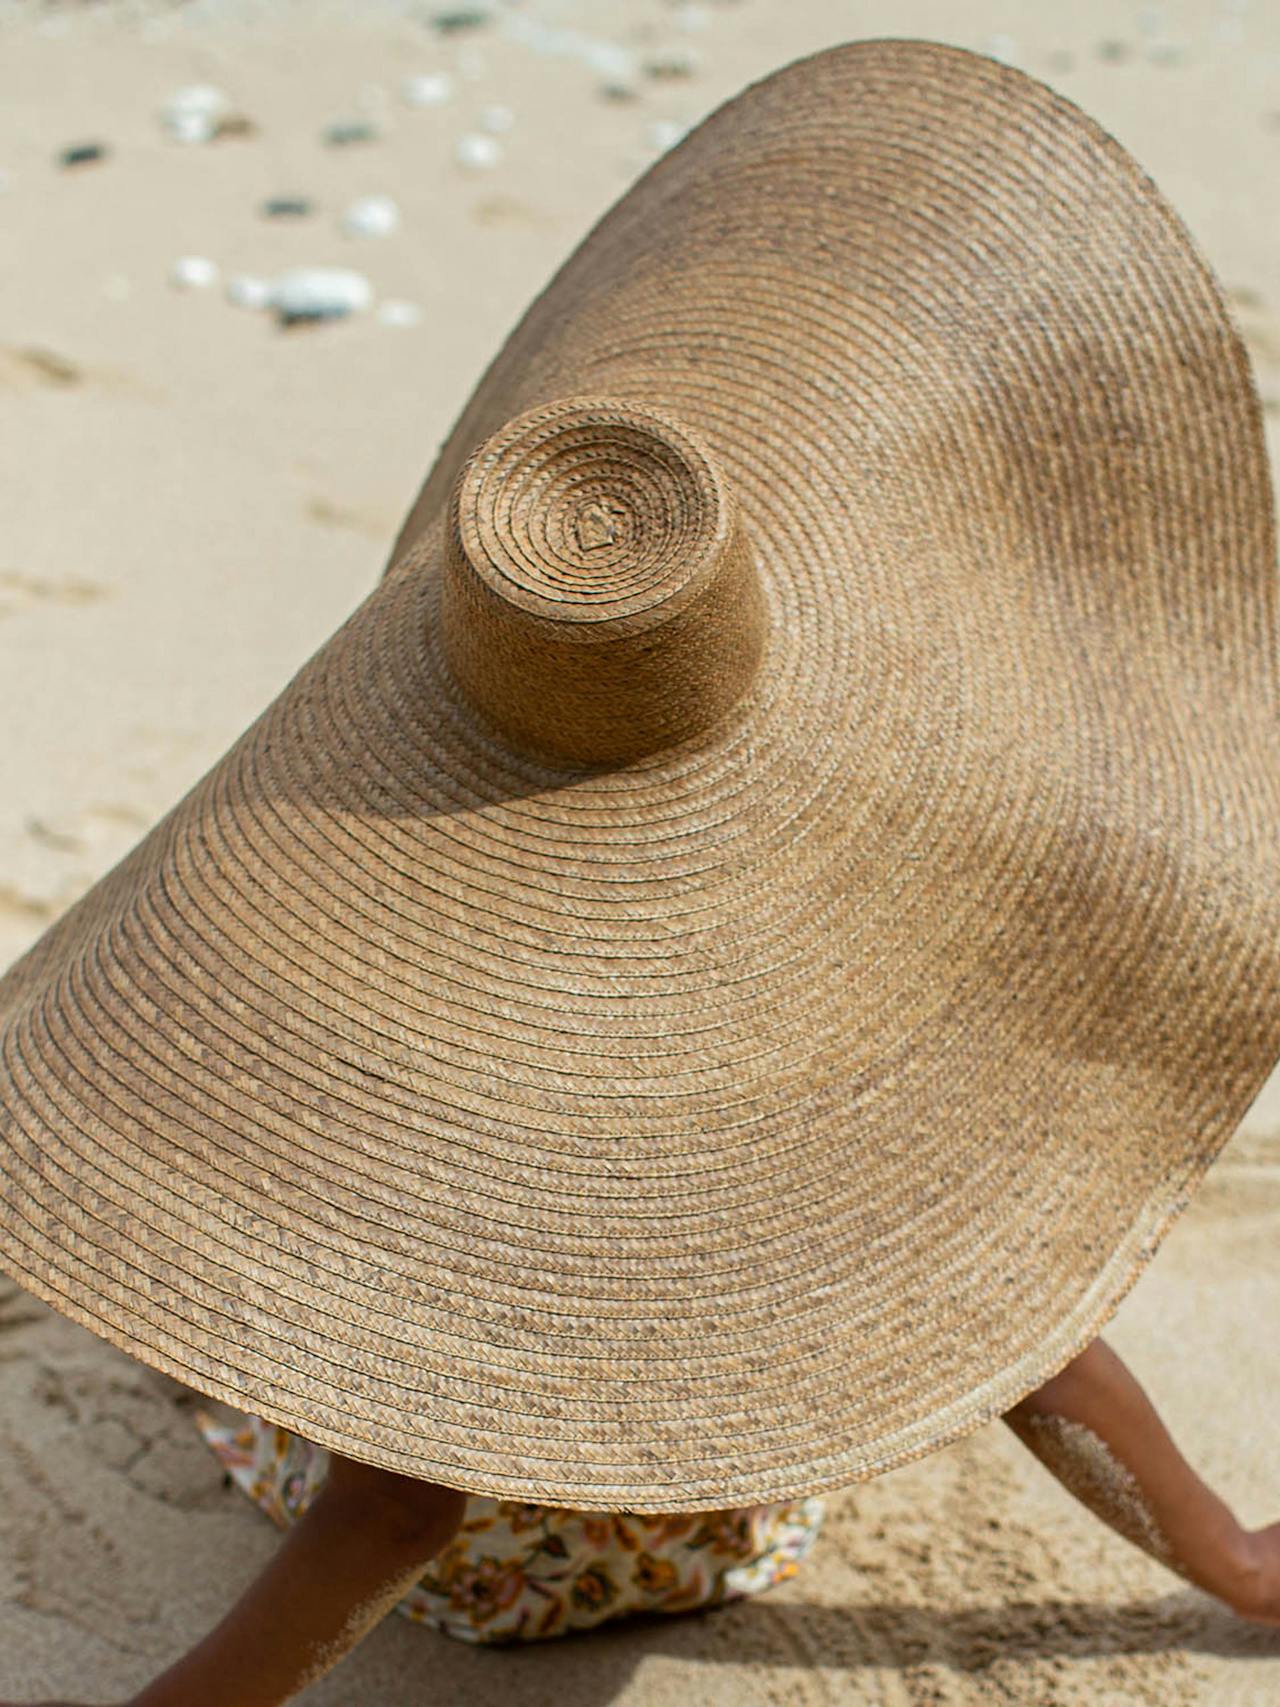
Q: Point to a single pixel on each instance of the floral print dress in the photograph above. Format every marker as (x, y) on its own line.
(525, 1572)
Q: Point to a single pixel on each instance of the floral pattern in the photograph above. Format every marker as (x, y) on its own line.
(518, 1572)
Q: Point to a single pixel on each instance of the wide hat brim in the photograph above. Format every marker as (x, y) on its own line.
(744, 1120)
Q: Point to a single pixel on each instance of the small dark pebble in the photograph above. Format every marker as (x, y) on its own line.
(669, 69)
(56, 369)
(83, 154)
(287, 207)
(454, 22)
(291, 318)
(1114, 52)
(342, 135)
(235, 124)
(619, 92)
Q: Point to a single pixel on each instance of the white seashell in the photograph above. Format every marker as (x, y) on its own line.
(247, 291)
(193, 272)
(192, 114)
(320, 293)
(371, 216)
(396, 313)
(497, 118)
(428, 89)
(477, 150)
(607, 59)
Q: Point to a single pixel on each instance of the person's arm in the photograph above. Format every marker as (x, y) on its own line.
(360, 1545)
(1095, 1429)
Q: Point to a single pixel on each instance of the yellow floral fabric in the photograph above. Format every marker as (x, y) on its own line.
(518, 1572)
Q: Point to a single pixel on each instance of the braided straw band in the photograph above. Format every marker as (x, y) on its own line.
(599, 601)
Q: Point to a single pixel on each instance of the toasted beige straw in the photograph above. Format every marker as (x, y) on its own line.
(716, 978)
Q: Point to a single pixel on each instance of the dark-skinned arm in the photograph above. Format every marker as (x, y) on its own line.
(1095, 1429)
(359, 1547)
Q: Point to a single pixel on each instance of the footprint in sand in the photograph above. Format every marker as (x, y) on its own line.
(19, 592)
(333, 515)
(29, 909)
(39, 366)
(507, 210)
(97, 825)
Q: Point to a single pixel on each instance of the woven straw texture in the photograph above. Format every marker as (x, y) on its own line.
(715, 979)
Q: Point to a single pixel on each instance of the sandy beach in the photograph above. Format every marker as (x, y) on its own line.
(195, 495)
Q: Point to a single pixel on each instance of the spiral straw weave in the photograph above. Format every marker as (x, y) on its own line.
(715, 979)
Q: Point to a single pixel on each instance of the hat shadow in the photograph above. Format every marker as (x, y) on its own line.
(594, 1667)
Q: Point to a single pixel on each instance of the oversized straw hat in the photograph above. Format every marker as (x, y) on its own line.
(713, 982)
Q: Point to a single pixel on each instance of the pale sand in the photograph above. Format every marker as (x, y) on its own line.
(192, 503)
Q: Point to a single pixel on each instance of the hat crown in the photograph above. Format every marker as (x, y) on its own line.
(599, 600)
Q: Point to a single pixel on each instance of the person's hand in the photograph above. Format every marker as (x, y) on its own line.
(1258, 1597)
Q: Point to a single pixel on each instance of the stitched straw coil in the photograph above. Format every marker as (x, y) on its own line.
(713, 982)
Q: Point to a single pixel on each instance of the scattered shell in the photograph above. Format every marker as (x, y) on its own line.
(371, 216)
(395, 313)
(665, 133)
(477, 150)
(607, 59)
(497, 118)
(247, 291)
(193, 272)
(464, 18)
(193, 114)
(319, 293)
(428, 89)
(287, 207)
(345, 132)
(83, 154)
